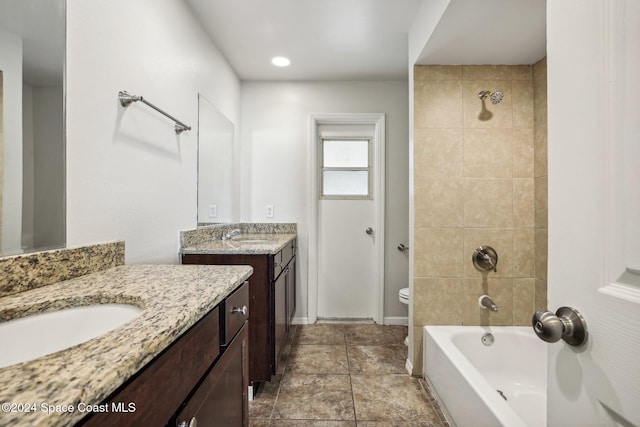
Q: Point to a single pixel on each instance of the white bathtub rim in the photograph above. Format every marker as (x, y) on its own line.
(483, 390)
(476, 381)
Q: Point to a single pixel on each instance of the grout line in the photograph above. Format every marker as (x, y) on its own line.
(353, 397)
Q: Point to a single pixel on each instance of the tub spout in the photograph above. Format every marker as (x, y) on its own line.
(486, 302)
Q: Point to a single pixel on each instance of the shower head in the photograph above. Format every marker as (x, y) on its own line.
(495, 96)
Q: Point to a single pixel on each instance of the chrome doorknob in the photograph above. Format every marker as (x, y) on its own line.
(369, 230)
(567, 324)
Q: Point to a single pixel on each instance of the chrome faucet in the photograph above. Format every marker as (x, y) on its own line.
(486, 302)
(230, 234)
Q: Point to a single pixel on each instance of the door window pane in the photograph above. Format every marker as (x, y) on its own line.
(346, 153)
(345, 183)
(345, 171)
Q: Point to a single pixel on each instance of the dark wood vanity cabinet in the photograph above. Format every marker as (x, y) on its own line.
(271, 303)
(204, 375)
(221, 399)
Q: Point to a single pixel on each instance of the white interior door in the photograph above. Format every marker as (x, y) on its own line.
(346, 260)
(594, 209)
(347, 235)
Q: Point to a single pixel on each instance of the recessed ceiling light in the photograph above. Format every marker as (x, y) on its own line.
(280, 61)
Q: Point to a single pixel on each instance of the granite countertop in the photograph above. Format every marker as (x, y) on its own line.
(172, 298)
(249, 244)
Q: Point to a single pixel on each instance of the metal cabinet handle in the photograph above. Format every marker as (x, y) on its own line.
(567, 324)
(191, 423)
(369, 230)
(402, 247)
(242, 310)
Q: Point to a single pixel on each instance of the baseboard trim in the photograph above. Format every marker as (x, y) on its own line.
(396, 320)
(409, 366)
(390, 320)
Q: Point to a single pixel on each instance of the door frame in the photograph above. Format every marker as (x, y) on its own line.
(378, 121)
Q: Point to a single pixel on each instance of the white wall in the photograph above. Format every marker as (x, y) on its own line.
(275, 162)
(43, 167)
(48, 143)
(128, 175)
(28, 175)
(11, 66)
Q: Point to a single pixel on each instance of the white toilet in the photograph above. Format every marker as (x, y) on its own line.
(403, 296)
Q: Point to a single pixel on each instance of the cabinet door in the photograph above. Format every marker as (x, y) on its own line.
(291, 291)
(221, 400)
(280, 311)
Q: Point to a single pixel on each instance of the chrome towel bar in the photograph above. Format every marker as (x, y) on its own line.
(127, 99)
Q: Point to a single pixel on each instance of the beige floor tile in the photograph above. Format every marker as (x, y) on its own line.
(310, 423)
(399, 424)
(268, 391)
(391, 398)
(383, 398)
(260, 410)
(318, 359)
(377, 359)
(314, 397)
(259, 423)
(319, 334)
(369, 335)
(400, 332)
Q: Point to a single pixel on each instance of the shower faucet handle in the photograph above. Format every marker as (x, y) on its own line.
(485, 258)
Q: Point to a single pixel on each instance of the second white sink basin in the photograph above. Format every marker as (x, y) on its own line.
(34, 336)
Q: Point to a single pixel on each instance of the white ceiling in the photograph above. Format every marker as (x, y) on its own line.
(325, 39)
(367, 39)
(488, 32)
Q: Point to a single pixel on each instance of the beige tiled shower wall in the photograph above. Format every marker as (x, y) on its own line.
(480, 179)
(540, 171)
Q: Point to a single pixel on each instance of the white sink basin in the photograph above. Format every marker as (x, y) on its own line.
(34, 336)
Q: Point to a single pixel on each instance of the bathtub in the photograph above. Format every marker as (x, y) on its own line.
(481, 385)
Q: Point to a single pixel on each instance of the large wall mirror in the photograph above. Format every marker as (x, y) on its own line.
(32, 137)
(216, 184)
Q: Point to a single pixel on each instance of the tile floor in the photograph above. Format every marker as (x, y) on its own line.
(344, 375)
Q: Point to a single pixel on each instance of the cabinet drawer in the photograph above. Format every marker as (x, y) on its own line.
(288, 253)
(277, 264)
(235, 313)
(282, 258)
